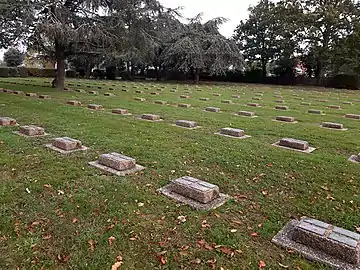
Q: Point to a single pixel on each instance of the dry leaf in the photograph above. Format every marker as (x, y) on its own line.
(358, 229)
(47, 236)
(92, 244)
(283, 266)
(254, 234)
(116, 265)
(196, 261)
(74, 220)
(163, 260)
(208, 247)
(111, 239)
(227, 251)
(261, 264)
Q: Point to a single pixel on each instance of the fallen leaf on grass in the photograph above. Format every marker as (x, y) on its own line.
(47, 186)
(212, 263)
(208, 247)
(47, 236)
(116, 265)
(233, 230)
(254, 234)
(283, 266)
(196, 261)
(111, 239)
(63, 259)
(92, 244)
(261, 265)
(74, 220)
(163, 260)
(358, 229)
(227, 251)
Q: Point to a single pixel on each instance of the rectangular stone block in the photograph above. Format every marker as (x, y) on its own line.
(93, 92)
(95, 107)
(285, 118)
(246, 113)
(80, 91)
(254, 105)
(227, 101)
(184, 96)
(212, 109)
(259, 94)
(183, 105)
(140, 99)
(7, 121)
(151, 117)
(44, 97)
(322, 100)
(139, 91)
(336, 107)
(154, 93)
(173, 90)
(347, 103)
(18, 92)
(109, 94)
(353, 116)
(67, 144)
(74, 103)
(216, 95)
(293, 143)
(195, 189)
(283, 108)
(332, 125)
(120, 111)
(31, 94)
(256, 98)
(187, 124)
(313, 111)
(204, 99)
(232, 132)
(117, 161)
(305, 103)
(32, 130)
(334, 241)
(161, 102)
(235, 96)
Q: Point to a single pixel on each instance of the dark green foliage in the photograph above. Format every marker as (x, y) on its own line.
(37, 72)
(14, 57)
(345, 81)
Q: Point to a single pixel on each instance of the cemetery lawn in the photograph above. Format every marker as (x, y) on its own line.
(57, 212)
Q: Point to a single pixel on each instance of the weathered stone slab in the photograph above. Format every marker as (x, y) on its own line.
(336, 107)
(233, 133)
(347, 103)
(154, 93)
(186, 124)
(333, 125)
(259, 94)
(256, 98)
(32, 131)
(299, 98)
(109, 94)
(8, 91)
(93, 92)
(313, 111)
(66, 145)
(353, 116)
(322, 100)
(117, 164)
(95, 107)
(305, 103)
(173, 90)
(139, 91)
(151, 117)
(74, 102)
(254, 105)
(18, 92)
(140, 99)
(227, 101)
(212, 109)
(283, 108)
(280, 101)
(204, 99)
(246, 113)
(183, 105)
(160, 102)
(120, 111)
(187, 91)
(293, 143)
(184, 96)
(31, 94)
(288, 119)
(216, 94)
(235, 96)
(80, 91)
(355, 158)
(7, 121)
(44, 97)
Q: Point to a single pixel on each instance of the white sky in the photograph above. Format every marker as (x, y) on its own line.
(233, 10)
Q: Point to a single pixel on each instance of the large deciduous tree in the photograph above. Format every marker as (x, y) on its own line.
(256, 37)
(200, 47)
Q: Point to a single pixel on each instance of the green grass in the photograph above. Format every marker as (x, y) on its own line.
(323, 185)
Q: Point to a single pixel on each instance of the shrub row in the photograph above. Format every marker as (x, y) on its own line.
(24, 72)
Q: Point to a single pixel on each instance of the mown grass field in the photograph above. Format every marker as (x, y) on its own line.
(57, 212)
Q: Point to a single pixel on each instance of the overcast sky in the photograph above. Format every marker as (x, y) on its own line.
(234, 10)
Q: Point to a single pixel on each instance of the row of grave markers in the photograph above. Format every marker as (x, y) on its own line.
(314, 239)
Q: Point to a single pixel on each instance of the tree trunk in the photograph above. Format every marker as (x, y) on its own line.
(263, 66)
(59, 82)
(157, 73)
(88, 71)
(197, 75)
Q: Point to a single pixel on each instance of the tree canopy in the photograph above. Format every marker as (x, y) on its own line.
(14, 57)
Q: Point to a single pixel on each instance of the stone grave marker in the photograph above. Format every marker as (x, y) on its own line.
(186, 124)
(331, 125)
(183, 105)
(173, 90)
(161, 102)
(233, 133)
(254, 105)
(196, 193)
(95, 107)
(246, 113)
(139, 91)
(235, 96)
(7, 121)
(314, 111)
(216, 94)
(287, 119)
(212, 109)
(355, 158)
(227, 101)
(31, 94)
(322, 100)
(184, 96)
(154, 93)
(353, 116)
(121, 111)
(336, 107)
(108, 94)
(280, 101)
(283, 108)
(80, 91)
(294, 144)
(93, 92)
(256, 98)
(204, 99)
(305, 103)
(31, 131)
(139, 99)
(74, 102)
(347, 103)
(151, 117)
(66, 145)
(44, 97)
(323, 242)
(18, 92)
(117, 164)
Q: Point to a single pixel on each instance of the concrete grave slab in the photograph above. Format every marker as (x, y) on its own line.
(93, 92)
(186, 124)
(212, 109)
(121, 111)
(139, 99)
(330, 125)
(95, 107)
(313, 111)
(18, 92)
(139, 91)
(319, 241)
(117, 164)
(246, 114)
(204, 99)
(282, 108)
(109, 95)
(160, 102)
(254, 105)
(184, 96)
(353, 116)
(44, 97)
(235, 96)
(80, 91)
(227, 101)
(73, 102)
(216, 95)
(305, 103)
(151, 117)
(183, 105)
(66, 145)
(295, 145)
(355, 158)
(336, 107)
(31, 94)
(257, 98)
(197, 194)
(347, 103)
(7, 121)
(233, 133)
(154, 93)
(31, 131)
(286, 119)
